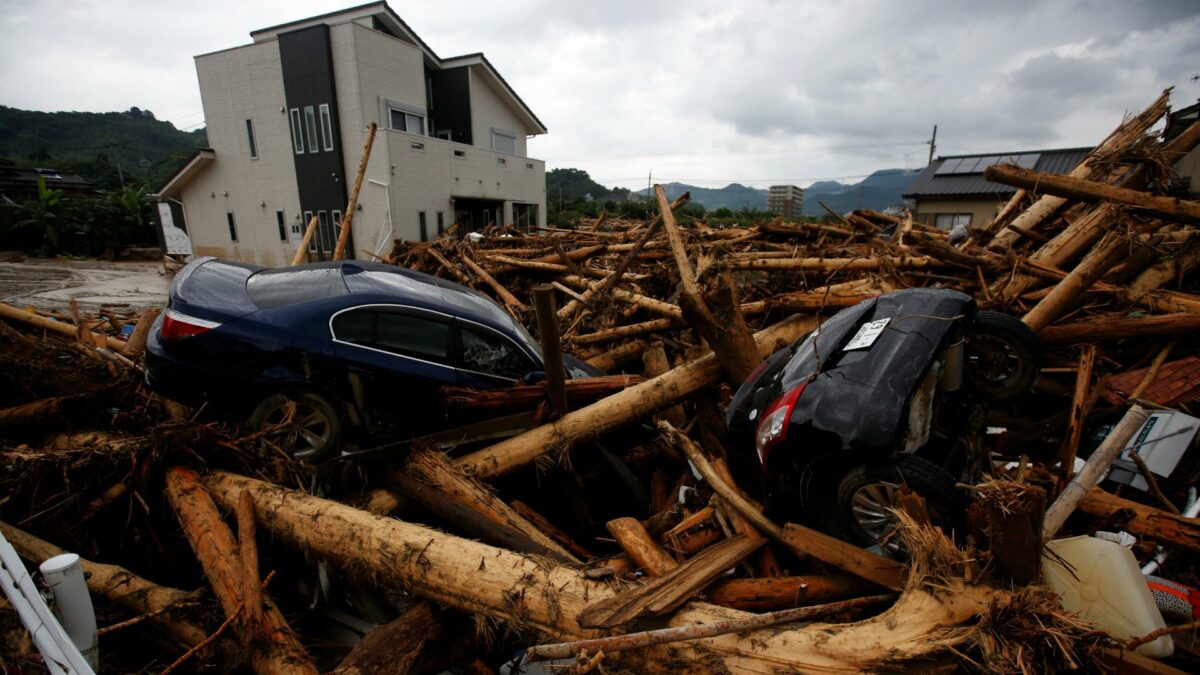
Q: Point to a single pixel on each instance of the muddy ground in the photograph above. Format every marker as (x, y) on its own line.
(51, 283)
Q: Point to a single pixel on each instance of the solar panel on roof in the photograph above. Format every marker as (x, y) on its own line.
(948, 166)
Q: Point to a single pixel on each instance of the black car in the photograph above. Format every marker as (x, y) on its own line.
(322, 344)
(888, 393)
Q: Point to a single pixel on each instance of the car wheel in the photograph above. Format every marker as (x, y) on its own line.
(308, 423)
(867, 495)
(1002, 356)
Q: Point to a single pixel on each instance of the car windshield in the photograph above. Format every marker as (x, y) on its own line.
(285, 286)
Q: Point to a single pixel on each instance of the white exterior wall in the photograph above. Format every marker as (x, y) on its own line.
(488, 110)
(236, 84)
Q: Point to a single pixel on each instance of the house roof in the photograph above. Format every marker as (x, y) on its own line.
(15, 179)
(184, 174)
(936, 181)
(396, 26)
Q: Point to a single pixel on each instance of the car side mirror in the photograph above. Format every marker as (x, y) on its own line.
(533, 376)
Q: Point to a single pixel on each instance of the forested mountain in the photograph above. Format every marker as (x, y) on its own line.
(878, 191)
(108, 148)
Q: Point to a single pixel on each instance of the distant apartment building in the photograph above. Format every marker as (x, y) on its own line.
(287, 119)
(786, 200)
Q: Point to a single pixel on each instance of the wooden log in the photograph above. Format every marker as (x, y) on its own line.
(137, 339)
(1106, 328)
(694, 532)
(717, 317)
(477, 578)
(248, 553)
(301, 255)
(1166, 528)
(1165, 271)
(637, 543)
(118, 585)
(628, 331)
(1091, 473)
(664, 309)
(637, 247)
(827, 265)
(654, 359)
(448, 266)
(556, 374)
(773, 593)
(529, 395)
(64, 329)
(591, 422)
(339, 250)
(1118, 142)
(670, 590)
(503, 293)
(45, 413)
(274, 647)
(1091, 191)
(395, 647)
(1079, 410)
(441, 487)
(1006, 521)
(615, 357)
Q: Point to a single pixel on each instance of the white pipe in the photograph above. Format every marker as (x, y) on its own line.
(1191, 511)
(59, 654)
(382, 239)
(64, 575)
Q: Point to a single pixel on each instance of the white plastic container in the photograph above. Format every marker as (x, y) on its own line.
(1107, 589)
(64, 575)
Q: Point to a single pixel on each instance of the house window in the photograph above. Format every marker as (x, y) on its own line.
(326, 127)
(443, 134)
(279, 220)
(460, 154)
(337, 226)
(308, 216)
(504, 141)
(416, 146)
(421, 226)
(310, 121)
(528, 165)
(501, 161)
(948, 221)
(297, 132)
(410, 121)
(441, 223)
(232, 226)
(250, 138)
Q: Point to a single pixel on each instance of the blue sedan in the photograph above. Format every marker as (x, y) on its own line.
(314, 346)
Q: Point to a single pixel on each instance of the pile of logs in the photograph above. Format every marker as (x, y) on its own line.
(600, 523)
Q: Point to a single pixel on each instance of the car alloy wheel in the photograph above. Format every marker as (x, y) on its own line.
(306, 423)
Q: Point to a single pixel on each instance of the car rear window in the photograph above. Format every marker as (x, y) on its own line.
(271, 289)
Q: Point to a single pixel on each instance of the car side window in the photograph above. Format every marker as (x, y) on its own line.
(356, 327)
(492, 355)
(413, 336)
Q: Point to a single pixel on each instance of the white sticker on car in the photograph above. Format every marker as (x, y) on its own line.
(867, 335)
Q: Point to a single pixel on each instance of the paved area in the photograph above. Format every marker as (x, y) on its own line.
(50, 284)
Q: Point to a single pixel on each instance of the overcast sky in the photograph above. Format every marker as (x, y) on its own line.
(708, 93)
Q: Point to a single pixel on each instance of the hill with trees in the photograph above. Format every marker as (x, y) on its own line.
(111, 149)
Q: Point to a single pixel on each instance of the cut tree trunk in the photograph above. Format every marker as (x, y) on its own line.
(1167, 529)
(137, 339)
(1006, 521)
(65, 329)
(769, 594)
(1106, 328)
(339, 251)
(641, 548)
(395, 647)
(827, 265)
(274, 648)
(44, 413)
(1090, 191)
(592, 422)
(617, 356)
(301, 255)
(474, 577)
(654, 360)
(528, 396)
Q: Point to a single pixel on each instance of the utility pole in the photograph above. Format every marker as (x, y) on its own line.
(932, 144)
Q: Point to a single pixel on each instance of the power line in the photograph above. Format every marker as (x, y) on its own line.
(721, 153)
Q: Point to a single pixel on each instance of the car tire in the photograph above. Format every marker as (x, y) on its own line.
(1002, 356)
(867, 492)
(314, 428)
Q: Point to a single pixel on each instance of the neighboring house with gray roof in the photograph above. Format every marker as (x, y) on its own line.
(952, 190)
(287, 117)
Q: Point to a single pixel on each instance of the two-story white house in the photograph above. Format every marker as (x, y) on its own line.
(287, 119)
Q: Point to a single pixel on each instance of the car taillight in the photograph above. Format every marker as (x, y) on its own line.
(176, 326)
(772, 428)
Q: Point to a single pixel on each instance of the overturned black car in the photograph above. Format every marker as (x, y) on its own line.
(891, 392)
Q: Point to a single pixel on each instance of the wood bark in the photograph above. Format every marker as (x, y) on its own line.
(615, 357)
(1106, 328)
(45, 413)
(507, 297)
(474, 577)
(769, 594)
(1090, 191)
(274, 648)
(395, 647)
(552, 356)
(526, 396)
(637, 543)
(339, 250)
(137, 339)
(1006, 521)
(654, 360)
(591, 422)
(632, 330)
(1079, 410)
(301, 255)
(118, 585)
(1091, 473)
(1166, 528)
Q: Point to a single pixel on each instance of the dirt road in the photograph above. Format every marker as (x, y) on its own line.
(50, 284)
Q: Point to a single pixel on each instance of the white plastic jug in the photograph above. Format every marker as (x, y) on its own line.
(1107, 589)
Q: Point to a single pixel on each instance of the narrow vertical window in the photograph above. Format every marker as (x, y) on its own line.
(326, 127)
(421, 225)
(441, 222)
(337, 227)
(297, 132)
(312, 242)
(250, 138)
(279, 219)
(323, 232)
(310, 121)
(232, 226)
